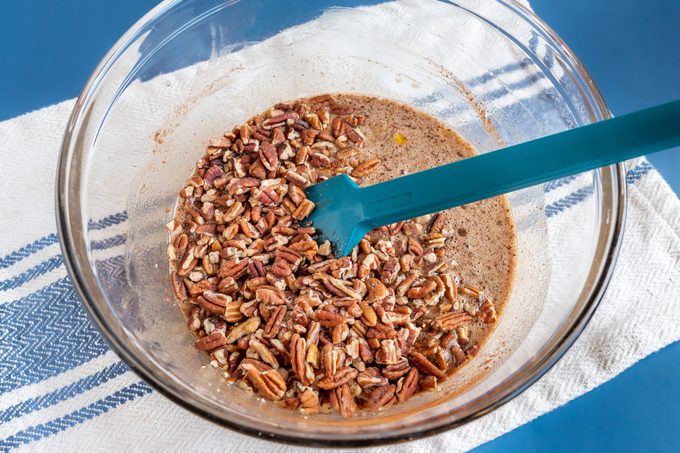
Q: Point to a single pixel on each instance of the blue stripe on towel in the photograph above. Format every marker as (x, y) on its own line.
(44, 334)
(638, 172)
(557, 183)
(32, 273)
(45, 241)
(108, 242)
(568, 201)
(28, 250)
(113, 219)
(63, 393)
(77, 417)
(53, 263)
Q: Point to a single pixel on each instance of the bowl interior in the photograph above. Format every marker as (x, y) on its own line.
(191, 70)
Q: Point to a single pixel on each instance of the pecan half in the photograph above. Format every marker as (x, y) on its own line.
(303, 210)
(346, 404)
(178, 287)
(209, 306)
(388, 354)
(370, 318)
(269, 384)
(408, 386)
(269, 295)
(451, 320)
(419, 292)
(301, 368)
(397, 370)
(380, 397)
(426, 366)
(341, 377)
(450, 289)
(246, 327)
(329, 319)
(366, 167)
(264, 353)
(274, 322)
(212, 341)
(232, 311)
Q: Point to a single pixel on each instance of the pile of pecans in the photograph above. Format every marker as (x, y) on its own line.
(276, 312)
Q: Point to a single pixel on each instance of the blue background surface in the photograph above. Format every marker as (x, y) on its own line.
(631, 49)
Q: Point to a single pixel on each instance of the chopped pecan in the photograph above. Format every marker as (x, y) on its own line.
(232, 311)
(458, 355)
(264, 353)
(366, 167)
(408, 386)
(380, 397)
(346, 404)
(367, 264)
(388, 354)
(451, 320)
(426, 366)
(340, 288)
(194, 320)
(178, 287)
(341, 377)
(332, 359)
(329, 319)
(371, 377)
(212, 341)
(297, 179)
(309, 398)
(429, 383)
(339, 333)
(462, 334)
(274, 322)
(301, 368)
(233, 268)
(238, 186)
(419, 292)
(279, 120)
(487, 312)
(281, 268)
(303, 210)
(269, 384)
(209, 306)
(187, 264)
(376, 290)
(246, 327)
(370, 318)
(227, 285)
(269, 295)
(319, 160)
(407, 338)
(397, 370)
(269, 156)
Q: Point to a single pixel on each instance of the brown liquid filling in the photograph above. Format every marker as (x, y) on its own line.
(480, 240)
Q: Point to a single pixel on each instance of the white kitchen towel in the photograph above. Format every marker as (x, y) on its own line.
(62, 388)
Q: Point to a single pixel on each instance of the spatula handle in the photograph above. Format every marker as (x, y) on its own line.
(523, 165)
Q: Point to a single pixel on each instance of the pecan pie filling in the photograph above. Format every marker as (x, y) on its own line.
(279, 315)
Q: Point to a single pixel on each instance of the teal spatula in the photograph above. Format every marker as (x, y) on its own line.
(345, 212)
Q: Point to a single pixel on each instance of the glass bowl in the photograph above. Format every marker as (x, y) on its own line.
(191, 69)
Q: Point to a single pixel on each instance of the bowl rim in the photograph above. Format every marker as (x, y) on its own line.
(535, 371)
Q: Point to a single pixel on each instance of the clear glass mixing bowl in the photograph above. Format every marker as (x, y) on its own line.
(191, 69)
